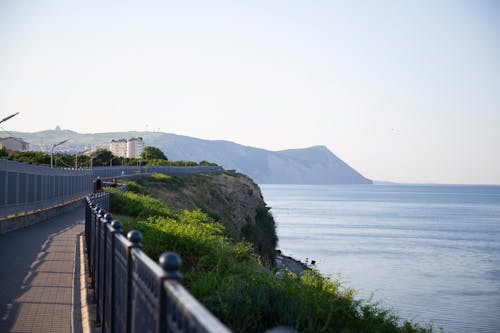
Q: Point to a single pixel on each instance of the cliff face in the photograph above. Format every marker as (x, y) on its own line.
(233, 199)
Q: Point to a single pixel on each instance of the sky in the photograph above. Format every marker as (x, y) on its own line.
(404, 91)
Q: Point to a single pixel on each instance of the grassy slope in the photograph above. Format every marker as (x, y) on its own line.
(230, 198)
(228, 278)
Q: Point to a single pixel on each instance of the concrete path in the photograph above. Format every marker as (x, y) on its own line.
(37, 266)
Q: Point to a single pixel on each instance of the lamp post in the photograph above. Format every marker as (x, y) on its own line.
(111, 161)
(92, 160)
(8, 117)
(139, 165)
(78, 153)
(52, 149)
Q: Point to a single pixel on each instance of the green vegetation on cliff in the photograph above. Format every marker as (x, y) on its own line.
(228, 276)
(230, 198)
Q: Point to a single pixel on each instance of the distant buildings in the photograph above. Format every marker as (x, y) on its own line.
(14, 144)
(118, 147)
(131, 148)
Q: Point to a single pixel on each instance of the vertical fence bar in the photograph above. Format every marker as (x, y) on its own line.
(135, 243)
(170, 262)
(94, 247)
(104, 225)
(116, 229)
(97, 274)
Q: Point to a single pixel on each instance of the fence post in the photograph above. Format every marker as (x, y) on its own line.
(170, 262)
(107, 219)
(97, 275)
(134, 237)
(94, 247)
(88, 220)
(116, 229)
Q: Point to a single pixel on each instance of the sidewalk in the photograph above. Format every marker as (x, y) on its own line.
(37, 266)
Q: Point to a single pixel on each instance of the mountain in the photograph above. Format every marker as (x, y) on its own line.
(314, 165)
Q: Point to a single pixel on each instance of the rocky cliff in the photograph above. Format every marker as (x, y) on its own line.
(232, 198)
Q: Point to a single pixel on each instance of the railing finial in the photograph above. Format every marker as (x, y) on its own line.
(108, 217)
(171, 262)
(117, 225)
(135, 238)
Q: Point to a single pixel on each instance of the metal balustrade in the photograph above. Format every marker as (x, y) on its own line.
(26, 188)
(133, 293)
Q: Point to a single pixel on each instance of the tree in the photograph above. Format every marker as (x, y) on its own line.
(101, 157)
(3, 152)
(153, 153)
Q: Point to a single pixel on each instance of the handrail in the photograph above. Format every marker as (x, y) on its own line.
(133, 293)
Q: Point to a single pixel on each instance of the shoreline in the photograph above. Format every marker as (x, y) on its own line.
(287, 263)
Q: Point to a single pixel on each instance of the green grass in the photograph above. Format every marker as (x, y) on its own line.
(230, 280)
(162, 181)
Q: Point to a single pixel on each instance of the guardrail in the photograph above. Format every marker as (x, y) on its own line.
(133, 293)
(26, 188)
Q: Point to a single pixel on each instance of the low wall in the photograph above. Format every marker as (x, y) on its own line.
(18, 222)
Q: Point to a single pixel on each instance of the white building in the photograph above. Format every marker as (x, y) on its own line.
(135, 146)
(14, 144)
(118, 147)
(131, 148)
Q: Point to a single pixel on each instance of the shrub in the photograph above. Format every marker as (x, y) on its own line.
(138, 205)
(162, 180)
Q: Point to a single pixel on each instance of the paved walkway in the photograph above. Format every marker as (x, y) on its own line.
(37, 267)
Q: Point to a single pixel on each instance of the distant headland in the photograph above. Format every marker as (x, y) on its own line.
(313, 165)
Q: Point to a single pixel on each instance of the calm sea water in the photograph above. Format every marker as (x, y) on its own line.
(430, 252)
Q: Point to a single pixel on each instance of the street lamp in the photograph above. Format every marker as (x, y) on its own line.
(52, 149)
(8, 117)
(79, 153)
(92, 160)
(111, 161)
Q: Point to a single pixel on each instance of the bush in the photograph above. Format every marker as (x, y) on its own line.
(138, 205)
(263, 235)
(161, 180)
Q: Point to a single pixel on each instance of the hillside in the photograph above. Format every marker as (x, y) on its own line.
(231, 198)
(314, 165)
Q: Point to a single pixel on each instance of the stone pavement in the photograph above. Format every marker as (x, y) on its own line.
(37, 266)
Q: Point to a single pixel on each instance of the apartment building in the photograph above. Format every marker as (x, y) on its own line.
(131, 148)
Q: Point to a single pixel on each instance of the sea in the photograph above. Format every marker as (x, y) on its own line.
(429, 252)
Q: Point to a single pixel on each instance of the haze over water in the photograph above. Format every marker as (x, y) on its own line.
(430, 252)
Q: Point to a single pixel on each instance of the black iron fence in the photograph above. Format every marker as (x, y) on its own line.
(133, 293)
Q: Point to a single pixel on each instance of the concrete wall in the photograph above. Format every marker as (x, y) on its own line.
(18, 222)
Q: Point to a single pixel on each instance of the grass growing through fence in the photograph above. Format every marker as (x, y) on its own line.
(227, 277)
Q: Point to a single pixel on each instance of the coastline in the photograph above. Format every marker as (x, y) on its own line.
(287, 263)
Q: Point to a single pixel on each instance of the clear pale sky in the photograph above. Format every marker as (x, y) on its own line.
(405, 91)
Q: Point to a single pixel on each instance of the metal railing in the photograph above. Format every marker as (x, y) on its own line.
(133, 293)
(27, 188)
